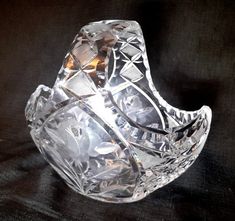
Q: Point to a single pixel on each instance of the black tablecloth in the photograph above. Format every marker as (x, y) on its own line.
(191, 49)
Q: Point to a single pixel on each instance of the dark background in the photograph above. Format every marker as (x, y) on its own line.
(191, 48)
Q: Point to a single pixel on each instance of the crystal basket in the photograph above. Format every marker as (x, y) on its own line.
(103, 126)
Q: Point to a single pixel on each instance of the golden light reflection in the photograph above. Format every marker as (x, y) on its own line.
(94, 63)
(70, 64)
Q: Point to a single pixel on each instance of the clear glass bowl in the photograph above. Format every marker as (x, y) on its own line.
(104, 127)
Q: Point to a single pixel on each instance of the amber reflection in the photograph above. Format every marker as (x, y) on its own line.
(95, 66)
(69, 63)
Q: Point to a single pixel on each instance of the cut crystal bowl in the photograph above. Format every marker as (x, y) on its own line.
(103, 126)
